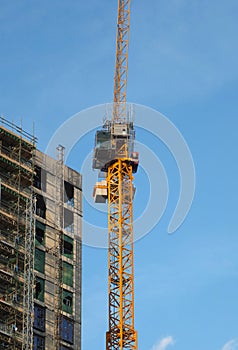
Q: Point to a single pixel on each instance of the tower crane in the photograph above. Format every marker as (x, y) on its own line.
(115, 159)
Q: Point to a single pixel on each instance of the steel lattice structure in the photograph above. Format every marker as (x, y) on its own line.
(114, 155)
(58, 251)
(28, 300)
(121, 71)
(121, 334)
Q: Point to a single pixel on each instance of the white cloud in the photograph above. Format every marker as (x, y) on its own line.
(231, 345)
(164, 343)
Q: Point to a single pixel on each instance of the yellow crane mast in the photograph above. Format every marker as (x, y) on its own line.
(114, 156)
(121, 71)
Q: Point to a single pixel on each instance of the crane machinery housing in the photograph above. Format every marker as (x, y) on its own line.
(115, 158)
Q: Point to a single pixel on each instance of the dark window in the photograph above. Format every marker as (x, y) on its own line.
(68, 274)
(67, 330)
(39, 318)
(39, 289)
(39, 342)
(67, 301)
(64, 348)
(68, 221)
(40, 206)
(37, 177)
(40, 178)
(69, 194)
(40, 233)
(39, 260)
(68, 247)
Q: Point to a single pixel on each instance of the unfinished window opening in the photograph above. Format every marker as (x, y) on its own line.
(68, 221)
(64, 348)
(67, 330)
(39, 289)
(40, 206)
(39, 318)
(68, 273)
(67, 301)
(69, 194)
(39, 260)
(40, 178)
(40, 233)
(68, 247)
(39, 342)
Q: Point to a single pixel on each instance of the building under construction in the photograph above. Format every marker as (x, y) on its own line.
(40, 246)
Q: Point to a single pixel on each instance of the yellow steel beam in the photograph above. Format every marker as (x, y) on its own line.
(121, 334)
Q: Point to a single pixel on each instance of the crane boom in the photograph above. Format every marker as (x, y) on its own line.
(114, 155)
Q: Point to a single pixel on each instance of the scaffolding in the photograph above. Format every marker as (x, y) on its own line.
(17, 150)
(40, 246)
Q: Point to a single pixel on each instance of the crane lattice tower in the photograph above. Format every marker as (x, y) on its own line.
(114, 156)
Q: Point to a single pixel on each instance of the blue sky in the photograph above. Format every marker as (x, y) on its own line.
(57, 58)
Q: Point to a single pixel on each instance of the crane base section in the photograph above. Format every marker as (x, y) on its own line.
(121, 334)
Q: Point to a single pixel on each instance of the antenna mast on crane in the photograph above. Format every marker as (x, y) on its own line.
(114, 156)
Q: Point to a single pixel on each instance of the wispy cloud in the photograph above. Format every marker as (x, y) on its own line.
(164, 343)
(231, 345)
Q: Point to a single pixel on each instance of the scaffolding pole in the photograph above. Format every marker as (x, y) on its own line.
(28, 299)
(59, 220)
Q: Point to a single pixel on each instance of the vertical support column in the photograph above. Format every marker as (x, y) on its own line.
(121, 69)
(29, 276)
(58, 268)
(121, 334)
(28, 298)
(78, 267)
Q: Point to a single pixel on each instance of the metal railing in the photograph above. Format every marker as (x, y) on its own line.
(13, 154)
(11, 330)
(7, 180)
(22, 133)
